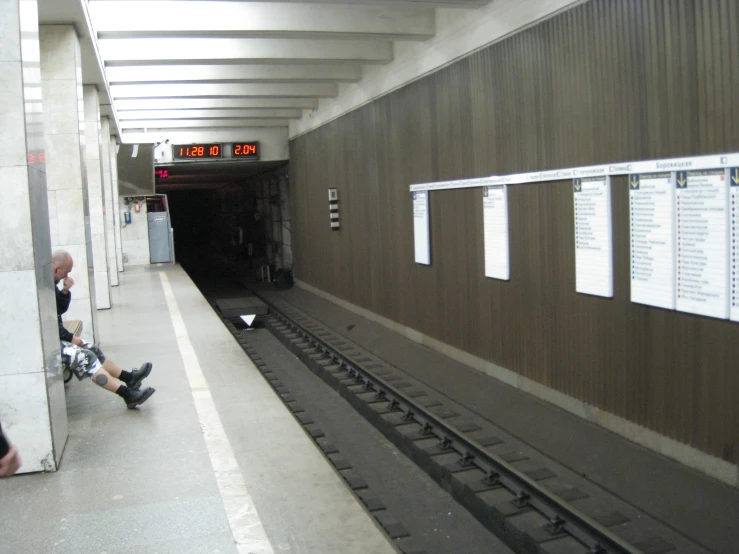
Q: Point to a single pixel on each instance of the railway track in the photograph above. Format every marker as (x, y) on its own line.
(460, 454)
(430, 436)
(528, 504)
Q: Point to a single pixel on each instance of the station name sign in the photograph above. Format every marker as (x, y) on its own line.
(625, 168)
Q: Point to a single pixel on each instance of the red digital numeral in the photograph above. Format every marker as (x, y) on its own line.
(245, 149)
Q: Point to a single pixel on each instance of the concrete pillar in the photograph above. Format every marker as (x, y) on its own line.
(61, 78)
(32, 403)
(108, 203)
(116, 202)
(95, 197)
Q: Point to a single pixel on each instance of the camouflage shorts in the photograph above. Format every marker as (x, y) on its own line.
(84, 360)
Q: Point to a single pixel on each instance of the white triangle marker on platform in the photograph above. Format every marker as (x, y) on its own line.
(248, 319)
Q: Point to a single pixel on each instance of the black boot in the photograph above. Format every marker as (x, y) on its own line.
(133, 398)
(138, 375)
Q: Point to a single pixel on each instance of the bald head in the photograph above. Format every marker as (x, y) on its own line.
(60, 257)
(62, 263)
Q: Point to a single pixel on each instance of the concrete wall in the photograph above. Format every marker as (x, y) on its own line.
(602, 82)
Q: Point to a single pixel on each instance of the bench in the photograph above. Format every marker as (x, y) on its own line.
(74, 326)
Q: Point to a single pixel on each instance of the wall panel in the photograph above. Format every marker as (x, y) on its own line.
(607, 81)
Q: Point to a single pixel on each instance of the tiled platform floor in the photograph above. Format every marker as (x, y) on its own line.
(143, 481)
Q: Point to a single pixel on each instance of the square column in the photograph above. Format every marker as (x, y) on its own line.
(116, 202)
(61, 79)
(95, 197)
(109, 208)
(32, 402)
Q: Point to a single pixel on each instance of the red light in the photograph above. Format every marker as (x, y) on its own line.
(190, 151)
(245, 149)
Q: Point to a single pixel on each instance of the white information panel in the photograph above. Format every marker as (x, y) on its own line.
(421, 227)
(702, 242)
(652, 211)
(495, 218)
(593, 236)
(734, 236)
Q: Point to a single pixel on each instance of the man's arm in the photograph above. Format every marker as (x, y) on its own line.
(62, 301)
(64, 334)
(63, 298)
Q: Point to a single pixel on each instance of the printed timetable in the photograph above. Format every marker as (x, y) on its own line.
(593, 236)
(652, 215)
(733, 231)
(701, 210)
(495, 218)
(421, 227)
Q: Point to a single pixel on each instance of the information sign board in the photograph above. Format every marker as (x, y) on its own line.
(495, 219)
(702, 214)
(652, 226)
(593, 236)
(733, 238)
(421, 227)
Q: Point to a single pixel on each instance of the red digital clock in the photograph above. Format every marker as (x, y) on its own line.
(248, 150)
(197, 151)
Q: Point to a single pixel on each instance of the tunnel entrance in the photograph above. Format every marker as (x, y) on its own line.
(236, 213)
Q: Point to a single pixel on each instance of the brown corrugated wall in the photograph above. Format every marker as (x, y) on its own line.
(608, 81)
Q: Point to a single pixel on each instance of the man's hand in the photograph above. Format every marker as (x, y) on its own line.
(67, 284)
(10, 463)
(77, 341)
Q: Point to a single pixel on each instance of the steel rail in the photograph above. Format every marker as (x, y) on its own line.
(563, 518)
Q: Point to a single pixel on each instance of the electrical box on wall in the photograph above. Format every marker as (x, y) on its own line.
(333, 207)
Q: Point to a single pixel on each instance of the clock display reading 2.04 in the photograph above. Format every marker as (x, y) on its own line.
(249, 150)
(197, 151)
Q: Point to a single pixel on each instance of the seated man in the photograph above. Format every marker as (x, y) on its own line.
(85, 359)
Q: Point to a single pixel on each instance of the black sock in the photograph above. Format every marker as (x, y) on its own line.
(126, 376)
(124, 392)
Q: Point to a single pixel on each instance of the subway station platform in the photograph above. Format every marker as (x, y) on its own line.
(213, 462)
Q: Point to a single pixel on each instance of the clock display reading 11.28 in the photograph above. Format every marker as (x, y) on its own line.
(197, 151)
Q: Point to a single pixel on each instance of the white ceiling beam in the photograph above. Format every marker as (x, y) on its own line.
(197, 123)
(176, 90)
(385, 3)
(210, 114)
(158, 50)
(123, 18)
(213, 103)
(272, 140)
(231, 72)
(396, 3)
